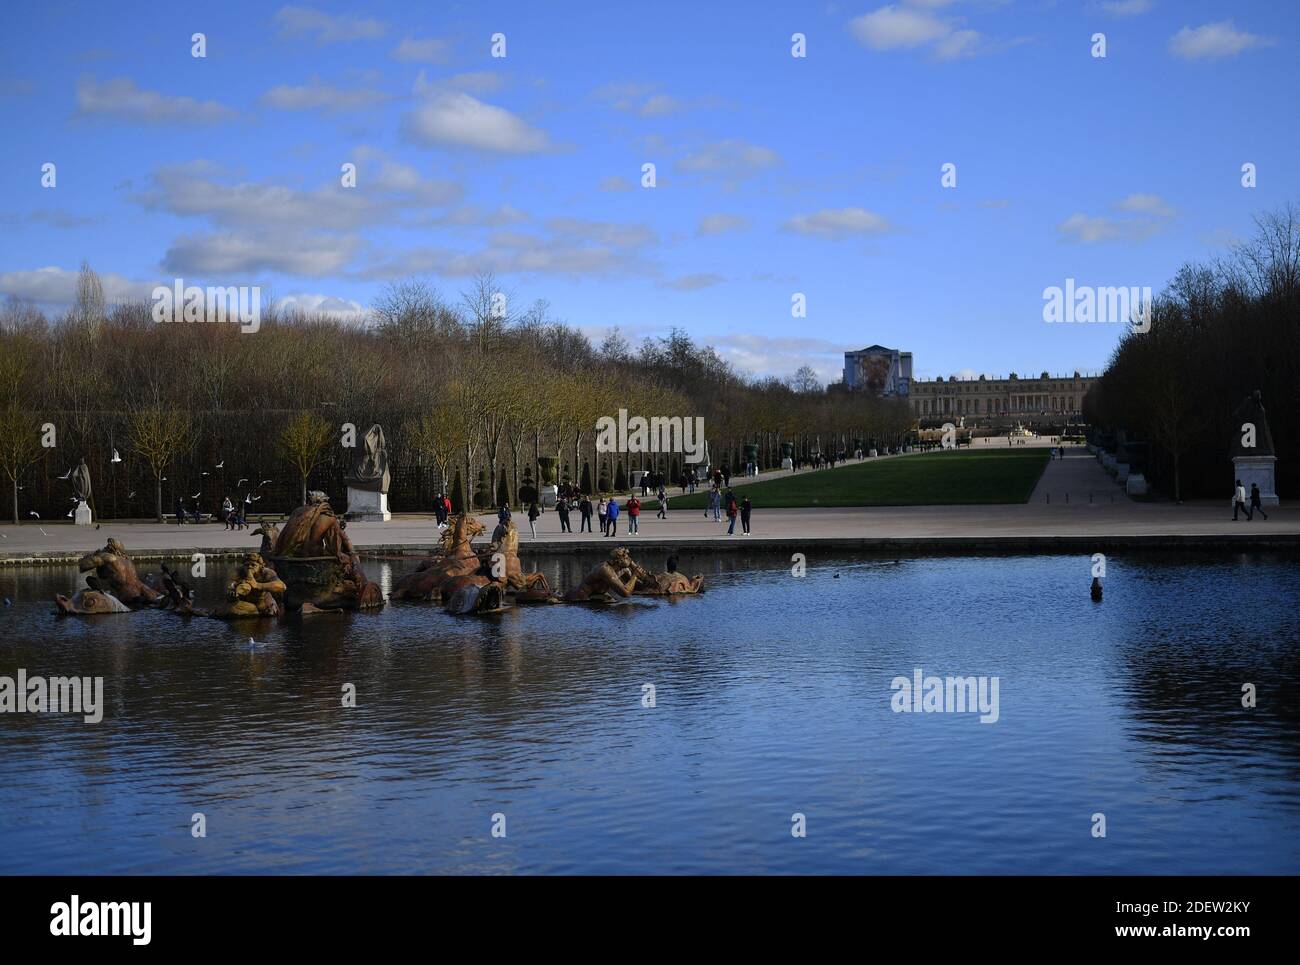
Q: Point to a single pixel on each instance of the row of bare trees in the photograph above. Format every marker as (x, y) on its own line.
(473, 396)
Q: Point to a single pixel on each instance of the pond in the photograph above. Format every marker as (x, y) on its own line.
(680, 736)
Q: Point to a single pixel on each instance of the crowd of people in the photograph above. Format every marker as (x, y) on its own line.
(722, 503)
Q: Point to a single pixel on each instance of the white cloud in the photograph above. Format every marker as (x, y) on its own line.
(1126, 8)
(431, 51)
(690, 283)
(58, 286)
(1213, 41)
(717, 224)
(781, 355)
(120, 99)
(391, 191)
(615, 182)
(894, 28)
(1149, 215)
(250, 254)
(571, 246)
(912, 27)
(343, 309)
(839, 223)
(729, 158)
(326, 28)
(1151, 204)
(456, 119)
(317, 96)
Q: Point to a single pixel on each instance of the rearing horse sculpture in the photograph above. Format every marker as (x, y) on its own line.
(456, 559)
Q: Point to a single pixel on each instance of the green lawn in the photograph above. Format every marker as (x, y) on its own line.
(928, 479)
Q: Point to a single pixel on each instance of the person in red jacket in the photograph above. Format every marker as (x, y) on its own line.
(633, 514)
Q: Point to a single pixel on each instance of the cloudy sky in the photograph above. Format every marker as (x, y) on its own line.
(774, 174)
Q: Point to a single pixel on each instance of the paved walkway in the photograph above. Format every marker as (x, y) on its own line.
(1034, 525)
(1078, 478)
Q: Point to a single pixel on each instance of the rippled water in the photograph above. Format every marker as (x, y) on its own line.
(772, 697)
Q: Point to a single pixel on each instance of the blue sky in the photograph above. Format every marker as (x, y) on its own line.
(775, 174)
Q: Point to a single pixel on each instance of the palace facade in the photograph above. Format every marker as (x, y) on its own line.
(984, 400)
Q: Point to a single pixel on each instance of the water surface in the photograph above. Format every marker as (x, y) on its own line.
(772, 697)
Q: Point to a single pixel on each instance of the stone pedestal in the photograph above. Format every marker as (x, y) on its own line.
(1136, 484)
(637, 476)
(871, 453)
(82, 515)
(550, 496)
(787, 463)
(1121, 472)
(1257, 470)
(365, 506)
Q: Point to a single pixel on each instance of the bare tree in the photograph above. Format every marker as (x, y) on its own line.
(303, 443)
(160, 435)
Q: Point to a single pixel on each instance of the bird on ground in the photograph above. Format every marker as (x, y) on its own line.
(116, 457)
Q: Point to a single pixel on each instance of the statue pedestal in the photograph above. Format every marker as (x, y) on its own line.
(82, 515)
(550, 496)
(1136, 484)
(637, 476)
(365, 506)
(1257, 470)
(787, 463)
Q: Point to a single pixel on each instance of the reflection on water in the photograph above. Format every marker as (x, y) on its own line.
(772, 696)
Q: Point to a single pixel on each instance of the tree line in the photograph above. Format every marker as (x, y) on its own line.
(472, 395)
(1221, 330)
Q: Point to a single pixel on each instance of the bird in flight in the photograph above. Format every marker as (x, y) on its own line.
(67, 475)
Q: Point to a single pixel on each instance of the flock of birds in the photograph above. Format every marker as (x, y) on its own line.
(252, 496)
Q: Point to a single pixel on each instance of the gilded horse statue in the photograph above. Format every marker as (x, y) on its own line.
(457, 559)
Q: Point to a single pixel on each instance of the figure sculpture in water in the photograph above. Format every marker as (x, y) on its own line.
(456, 559)
(316, 560)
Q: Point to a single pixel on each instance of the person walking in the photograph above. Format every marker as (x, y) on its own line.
(562, 507)
(746, 507)
(731, 513)
(180, 511)
(228, 512)
(1256, 506)
(726, 478)
(503, 515)
(584, 510)
(715, 503)
(440, 511)
(611, 518)
(1239, 501)
(633, 514)
(645, 484)
(532, 518)
(663, 503)
(602, 510)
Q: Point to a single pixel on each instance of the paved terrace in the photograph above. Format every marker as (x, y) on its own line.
(1036, 526)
